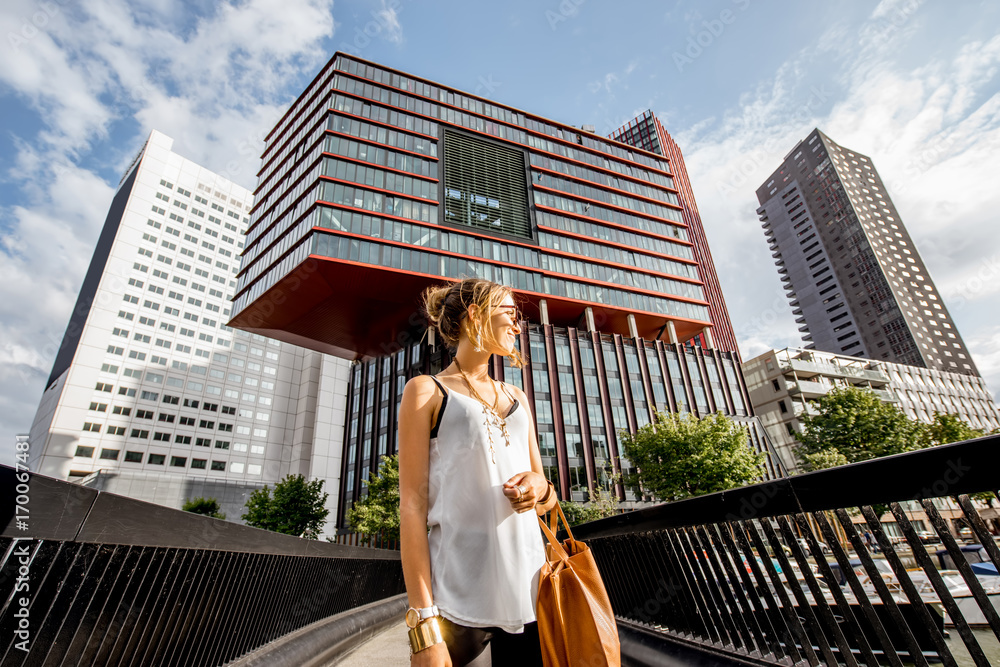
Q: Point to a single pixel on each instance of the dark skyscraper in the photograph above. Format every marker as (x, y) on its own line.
(856, 282)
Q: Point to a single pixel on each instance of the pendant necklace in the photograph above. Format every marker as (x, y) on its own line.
(491, 413)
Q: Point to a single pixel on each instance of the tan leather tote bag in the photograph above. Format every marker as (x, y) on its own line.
(575, 623)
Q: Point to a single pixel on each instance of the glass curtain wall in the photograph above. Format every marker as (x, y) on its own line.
(543, 405)
(616, 401)
(377, 386)
(571, 421)
(595, 414)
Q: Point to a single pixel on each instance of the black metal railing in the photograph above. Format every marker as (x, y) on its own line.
(784, 573)
(91, 578)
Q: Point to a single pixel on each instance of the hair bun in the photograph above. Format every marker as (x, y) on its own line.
(447, 306)
(434, 299)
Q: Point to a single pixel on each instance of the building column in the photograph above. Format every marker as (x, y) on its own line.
(588, 318)
(672, 333)
(633, 331)
(543, 311)
(709, 343)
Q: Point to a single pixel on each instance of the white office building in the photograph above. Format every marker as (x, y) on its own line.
(151, 395)
(783, 384)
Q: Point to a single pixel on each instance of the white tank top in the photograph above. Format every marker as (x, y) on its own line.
(485, 558)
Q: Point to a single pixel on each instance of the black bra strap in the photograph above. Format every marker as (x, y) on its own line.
(444, 403)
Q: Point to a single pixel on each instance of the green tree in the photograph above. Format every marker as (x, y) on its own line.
(378, 512)
(946, 428)
(577, 513)
(678, 456)
(296, 507)
(207, 506)
(824, 458)
(603, 502)
(853, 425)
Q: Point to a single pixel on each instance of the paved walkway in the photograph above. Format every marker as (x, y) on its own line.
(390, 648)
(387, 649)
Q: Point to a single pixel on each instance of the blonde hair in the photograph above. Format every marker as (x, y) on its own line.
(448, 305)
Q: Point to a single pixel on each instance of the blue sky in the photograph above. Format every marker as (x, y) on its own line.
(912, 84)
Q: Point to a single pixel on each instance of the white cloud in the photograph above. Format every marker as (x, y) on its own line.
(986, 343)
(932, 131)
(604, 84)
(215, 83)
(389, 16)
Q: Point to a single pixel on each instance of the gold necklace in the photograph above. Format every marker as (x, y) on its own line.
(491, 413)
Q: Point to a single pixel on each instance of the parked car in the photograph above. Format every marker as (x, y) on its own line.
(927, 537)
(805, 545)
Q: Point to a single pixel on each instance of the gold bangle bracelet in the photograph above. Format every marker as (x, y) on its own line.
(548, 494)
(425, 635)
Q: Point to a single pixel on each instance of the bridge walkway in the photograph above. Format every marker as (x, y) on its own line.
(390, 648)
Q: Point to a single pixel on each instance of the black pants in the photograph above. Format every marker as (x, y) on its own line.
(465, 644)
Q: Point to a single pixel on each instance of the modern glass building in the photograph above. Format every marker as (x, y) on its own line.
(646, 131)
(376, 184)
(856, 282)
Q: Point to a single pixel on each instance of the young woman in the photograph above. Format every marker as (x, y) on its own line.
(470, 474)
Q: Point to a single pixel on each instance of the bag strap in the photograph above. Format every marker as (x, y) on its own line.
(555, 514)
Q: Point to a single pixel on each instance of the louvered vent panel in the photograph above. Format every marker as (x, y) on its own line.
(485, 186)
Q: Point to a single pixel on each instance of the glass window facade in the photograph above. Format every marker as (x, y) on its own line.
(377, 167)
(591, 382)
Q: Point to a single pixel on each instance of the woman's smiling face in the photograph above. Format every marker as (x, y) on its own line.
(505, 320)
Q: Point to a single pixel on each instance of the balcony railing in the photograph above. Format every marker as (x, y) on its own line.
(780, 573)
(808, 388)
(808, 409)
(90, 578)
(886, 395)
(836, 370)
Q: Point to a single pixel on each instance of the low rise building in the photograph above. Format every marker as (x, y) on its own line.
(784, 383)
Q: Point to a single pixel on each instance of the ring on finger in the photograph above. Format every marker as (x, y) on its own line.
(520, 491)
